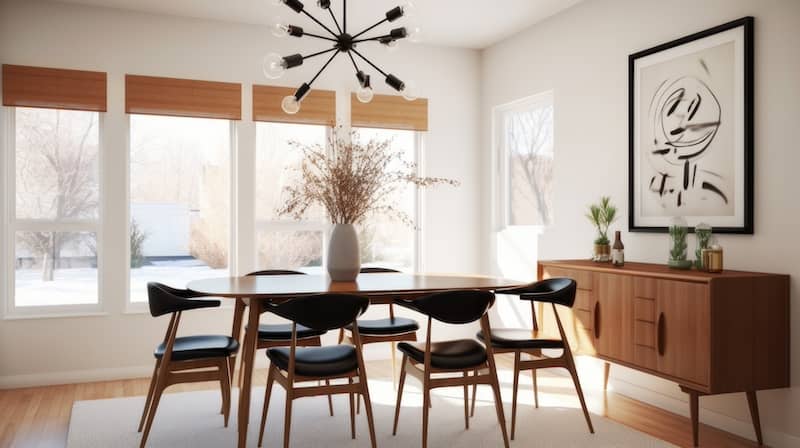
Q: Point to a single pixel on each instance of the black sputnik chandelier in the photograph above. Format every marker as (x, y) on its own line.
(342, 42)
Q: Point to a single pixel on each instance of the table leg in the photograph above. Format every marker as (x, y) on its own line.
(248, 355)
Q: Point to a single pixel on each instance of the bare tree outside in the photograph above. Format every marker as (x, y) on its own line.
(56, 177)
(529, 142)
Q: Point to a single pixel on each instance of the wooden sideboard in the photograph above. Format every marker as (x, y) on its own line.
(710, 333)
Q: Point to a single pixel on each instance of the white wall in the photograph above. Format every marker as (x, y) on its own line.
(581, 54)
(115, 344)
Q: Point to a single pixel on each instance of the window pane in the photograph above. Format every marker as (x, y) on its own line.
(290, 250)
(179, 203)
(55, 268)
(56, 164)
(277, 163)
(386, 241)
(529, 147)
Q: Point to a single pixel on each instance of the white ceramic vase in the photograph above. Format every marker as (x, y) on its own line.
(344, 261)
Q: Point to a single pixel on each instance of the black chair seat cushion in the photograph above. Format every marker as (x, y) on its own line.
(521, 339)
(326, 361)
(198, 347)
(283, 332)
(449, 355)
(385, 327)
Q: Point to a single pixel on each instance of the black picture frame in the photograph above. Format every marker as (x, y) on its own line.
(747, 224)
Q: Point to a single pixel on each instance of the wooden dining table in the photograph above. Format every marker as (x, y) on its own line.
(252, 292)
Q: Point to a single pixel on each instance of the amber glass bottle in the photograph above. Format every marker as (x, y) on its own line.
(618, 250)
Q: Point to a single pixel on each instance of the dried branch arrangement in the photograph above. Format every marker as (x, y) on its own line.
(352, 181)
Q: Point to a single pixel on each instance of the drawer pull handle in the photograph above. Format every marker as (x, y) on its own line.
(597, 320)
(660, 334)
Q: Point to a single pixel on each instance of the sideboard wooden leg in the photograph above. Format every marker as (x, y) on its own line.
(752, 402)
(606, 371)
(694, 410)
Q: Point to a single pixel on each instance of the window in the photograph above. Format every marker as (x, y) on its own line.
(54, 197)
(180, 215)
(386, 241)
(524, 130)
(282, 242)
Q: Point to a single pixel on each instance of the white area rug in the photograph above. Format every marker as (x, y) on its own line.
(192, 420)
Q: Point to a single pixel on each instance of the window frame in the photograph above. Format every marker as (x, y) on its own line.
(501, 160)
(13, 225)
(132, 307)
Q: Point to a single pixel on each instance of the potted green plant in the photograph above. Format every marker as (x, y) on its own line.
(678, 234)
(602, 215)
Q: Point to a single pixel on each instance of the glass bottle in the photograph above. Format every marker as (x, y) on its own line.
(703, 233)
(678, 234)
(618, 250)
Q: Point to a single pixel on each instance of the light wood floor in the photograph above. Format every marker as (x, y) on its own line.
(39, 417)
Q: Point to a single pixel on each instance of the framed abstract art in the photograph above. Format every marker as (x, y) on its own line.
(691, 131)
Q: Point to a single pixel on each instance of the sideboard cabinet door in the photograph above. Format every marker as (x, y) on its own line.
(683, 329)
(613, 316)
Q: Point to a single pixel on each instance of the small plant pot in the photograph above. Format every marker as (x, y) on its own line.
(602, 253)
(680, 264)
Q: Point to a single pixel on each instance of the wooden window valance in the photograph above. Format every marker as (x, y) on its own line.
(153, 95)
(319, 106)
(54, 88)
(390, 112)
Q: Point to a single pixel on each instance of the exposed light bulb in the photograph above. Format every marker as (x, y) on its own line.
(290, 105)
(389, 43)
(365, 94)
(409, 10)
(414, 33)
(409, 91)
(279, 28)
(274, 66)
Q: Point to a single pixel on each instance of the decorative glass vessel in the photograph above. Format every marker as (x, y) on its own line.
(678, 236)
(703, 233)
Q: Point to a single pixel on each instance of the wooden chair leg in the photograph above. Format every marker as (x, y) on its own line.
(466, 401)
(225, 384)
(426, 400)
(330, 399)
(752, 402)
(517, 356)
(574, 374)
(394, 364)
(267, 394)
(287, 422)
(535, 388)
(474, 394)
(498, 401)
(400, 384)
(153, 381)
(352, 413)
(368, 409)
(160, 386)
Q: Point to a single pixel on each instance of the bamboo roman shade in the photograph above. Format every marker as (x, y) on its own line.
(390, 112)
(319, 106)
(54, 88)
(183, 97)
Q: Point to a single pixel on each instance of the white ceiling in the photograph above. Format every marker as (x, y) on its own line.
(457, 23)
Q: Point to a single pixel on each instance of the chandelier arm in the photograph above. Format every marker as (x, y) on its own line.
(367, 39)
(319, 23)
(319, 53)
(336, 22)
(344, 15)
(368, 62)
(353, 60)
(324, 67)
(320, 37)
(370, 28)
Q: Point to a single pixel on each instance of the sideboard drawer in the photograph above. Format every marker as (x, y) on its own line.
(581, 277)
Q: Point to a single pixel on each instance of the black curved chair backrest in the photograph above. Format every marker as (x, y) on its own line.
(560, 291)
(378, 270)
(322, 311)
(164, 300)
(453, 307)
(276, 272)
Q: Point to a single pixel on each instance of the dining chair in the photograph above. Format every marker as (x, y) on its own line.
(185, 359)
(392, 330)
(278, 335)
(292, 365)
(555, 291)
(449, 363)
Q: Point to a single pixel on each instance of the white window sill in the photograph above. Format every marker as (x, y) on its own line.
(54, 315)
